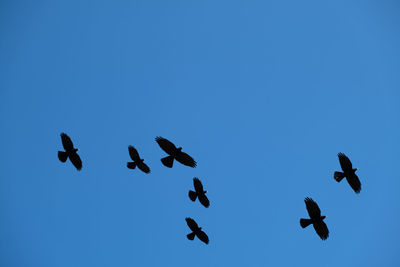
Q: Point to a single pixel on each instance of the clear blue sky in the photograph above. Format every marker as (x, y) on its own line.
(263, 94)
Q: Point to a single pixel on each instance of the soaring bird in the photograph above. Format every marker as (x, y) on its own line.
(70, 152)
(348, 172)
(315, 218)
(137, 161)
(174, 153)
(199, 193)
(196, 231)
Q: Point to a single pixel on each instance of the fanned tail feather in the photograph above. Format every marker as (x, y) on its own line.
(131, 165)
(191, 236)
(338, 176)
(168, 161)
(62, 156)
(305, 222)
(192, 195)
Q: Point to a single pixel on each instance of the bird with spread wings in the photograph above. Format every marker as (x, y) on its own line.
(174, 153)
(199, 193)
(70, 152)
(137, 161)
(348, 172)
(315, 219)
(196, 231)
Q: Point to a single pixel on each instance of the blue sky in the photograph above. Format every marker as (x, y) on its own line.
(263, 94)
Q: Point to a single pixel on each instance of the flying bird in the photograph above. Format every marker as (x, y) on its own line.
(199, 193)
(174, 153)
(348, 172)
(70, 152)
(196, 231)
(315, 218)
(137, 161)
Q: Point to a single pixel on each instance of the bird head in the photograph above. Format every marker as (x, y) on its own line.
(323, 217)
(141, 160)
(205, 191)
(355, 169)
(179, 148)
(76, 149)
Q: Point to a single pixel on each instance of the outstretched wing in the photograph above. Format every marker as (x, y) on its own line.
(354, 182)
(142, 166)
(185, 159)
(203, 236)
(204, 200)
(192, 224)
(66, 141)
(76, 161)
(322, 230)
(133, 153)
(197, 185)
(345, 162)
(166, 145)
(312, 208)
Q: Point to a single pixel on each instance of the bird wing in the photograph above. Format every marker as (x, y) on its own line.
(204, 200)
(312, 208)
(345, 162)
(185, 159)
(166, 145)
(133, 153)
(322, 230)
(203, 236)
(142, 166)
(66, 141)
(354, 182)
(192, 224)
(197, 185)
(76, 161)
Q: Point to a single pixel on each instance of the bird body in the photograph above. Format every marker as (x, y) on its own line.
(177, 151)
(199, 193)
(174, 153)
(315, 219)
(348, 172)
(70, 152)
(196, 231)
(137, 161)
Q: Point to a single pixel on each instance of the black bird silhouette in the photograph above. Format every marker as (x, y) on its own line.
(348, 172)
(199, 193)
(315, 218)
(137, 161)
(174, 153)
(70, 152)
(196, 231)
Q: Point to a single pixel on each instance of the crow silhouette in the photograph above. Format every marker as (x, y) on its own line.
(70, 152)
(348, 172)
(174, 153)
(137, 161)
(196, 231)
(199, 193)
(315, 218)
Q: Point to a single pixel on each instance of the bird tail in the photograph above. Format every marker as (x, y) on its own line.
(192, 195)
(190, 236)
(168, 161)
(305, 222)
(62, 156)
(131, 165)
(338, 176)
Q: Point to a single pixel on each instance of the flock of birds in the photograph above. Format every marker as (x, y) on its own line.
(312, 207)
(173, 152)
(199, 193)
